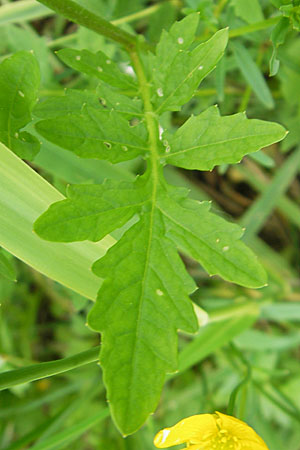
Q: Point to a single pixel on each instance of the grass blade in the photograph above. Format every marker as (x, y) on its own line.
(23, 10)
(256, 215)
(24, 196)
(73, 432)
(47, 369)
(253, 75)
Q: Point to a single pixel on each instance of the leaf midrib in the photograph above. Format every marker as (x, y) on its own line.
(215, 143)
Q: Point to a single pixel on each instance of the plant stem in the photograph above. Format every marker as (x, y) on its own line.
(47, 369)
(150, 117)
(82, 16)
(254, 27)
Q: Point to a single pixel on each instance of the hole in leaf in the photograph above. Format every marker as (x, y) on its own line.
(134, 122)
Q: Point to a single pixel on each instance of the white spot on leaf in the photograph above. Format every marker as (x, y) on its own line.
(159, 292)
(160, 92)
(21, 94)
(78, 58)
(180, 40)
(226, 248)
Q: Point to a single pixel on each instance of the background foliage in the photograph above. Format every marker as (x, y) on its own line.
(253, 335)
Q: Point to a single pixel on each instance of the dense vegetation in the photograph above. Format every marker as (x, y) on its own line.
(135, 111)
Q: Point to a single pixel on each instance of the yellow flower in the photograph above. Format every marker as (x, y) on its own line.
(210, 431)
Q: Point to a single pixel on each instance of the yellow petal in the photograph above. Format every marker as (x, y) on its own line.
(245, 434)
(194, 429)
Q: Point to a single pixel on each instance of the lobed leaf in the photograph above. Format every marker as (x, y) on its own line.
(177, 73)
(141, 304)
(208, 140)
(97, 65)
(19, 83)
(72, 101)
(96, 133)
(144, 298)
(90, 212)
(110, 98)
(212, 241)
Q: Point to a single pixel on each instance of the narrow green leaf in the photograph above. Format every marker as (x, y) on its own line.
(263, 159)
(71, 433)
(96, 133)
(47, 369)
(212, 337)
(19, 84)
(257, 214)
(90, 212)
(278, 37)
(177, 72)
(138, 314)
(208, 140)
(212, 241)
(256, 340)
(23, 10)
(24, 196)
(282, 312)
(7, 270)
(252, 74)
(97, 65)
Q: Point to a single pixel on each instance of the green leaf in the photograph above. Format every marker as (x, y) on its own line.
(212, 241)
(96, 133)
(144, 298)
(208, 140)
(70, 102)
(7, 269)
(256, 340)
(23, 10)
(90, 212)
(250, 12)
(19, 84)
(278, 37)
(293, 13)
(24, 196)
(178, 71)
(138, 313)
(253, 75)
(214, 336)
(112, 99)
(97, 65)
